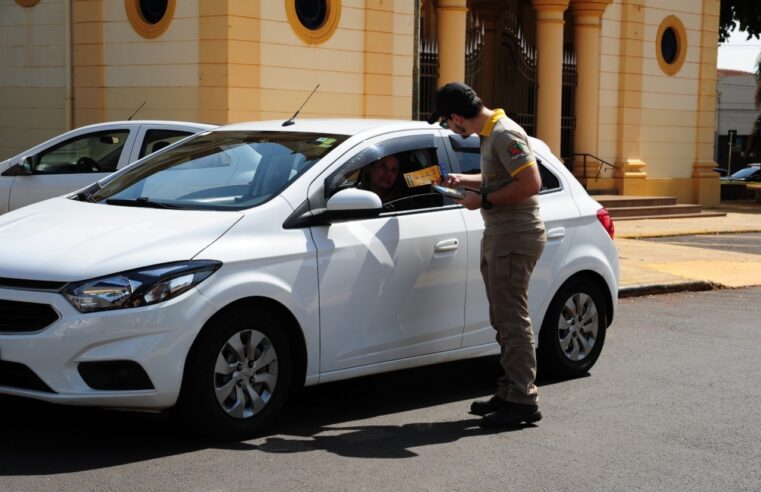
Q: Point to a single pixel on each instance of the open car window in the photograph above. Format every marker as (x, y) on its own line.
(416, 159)
(219, 170)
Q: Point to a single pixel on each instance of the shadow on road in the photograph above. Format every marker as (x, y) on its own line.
(40, 439)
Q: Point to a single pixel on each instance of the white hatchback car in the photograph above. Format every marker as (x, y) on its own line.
(82, 156)
(246, 261)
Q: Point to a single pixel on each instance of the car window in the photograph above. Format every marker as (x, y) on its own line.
(399, 170)
(219, 170)
(746, 173)
(468, 152)
(90, 153)
(156, 139)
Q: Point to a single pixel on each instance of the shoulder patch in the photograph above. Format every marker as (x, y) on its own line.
(518, 149)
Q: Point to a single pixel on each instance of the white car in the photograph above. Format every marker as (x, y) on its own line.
(222, 273)
(82, 156)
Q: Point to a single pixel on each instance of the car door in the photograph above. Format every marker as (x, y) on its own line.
(560, 214)
(73, 163)
(391, 286)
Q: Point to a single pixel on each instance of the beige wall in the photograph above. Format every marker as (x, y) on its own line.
(162, 72)
(32, 74)
(669, 103)
(364, 69)
(647, 116)
(610, 65)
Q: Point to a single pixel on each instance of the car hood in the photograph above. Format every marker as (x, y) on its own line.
(67, 240)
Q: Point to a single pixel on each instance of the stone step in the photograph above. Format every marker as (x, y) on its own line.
(617, 201)
(654, 210)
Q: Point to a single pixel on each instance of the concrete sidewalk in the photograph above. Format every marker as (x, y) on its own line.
(649, 267)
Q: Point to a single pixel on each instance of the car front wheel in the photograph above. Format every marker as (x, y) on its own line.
(573, 331)
(238, 375)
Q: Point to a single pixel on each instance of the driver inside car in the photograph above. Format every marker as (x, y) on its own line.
(382, 178)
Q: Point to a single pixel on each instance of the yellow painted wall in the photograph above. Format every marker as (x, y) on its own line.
(669, 103)
(645, 114)
(364, 69)
(32, 75)
(163, 72)
(610, 63)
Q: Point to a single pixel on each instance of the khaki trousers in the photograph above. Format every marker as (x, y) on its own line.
(506, 272)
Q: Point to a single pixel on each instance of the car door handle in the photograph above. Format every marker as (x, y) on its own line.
(446, 245)
(557, 233)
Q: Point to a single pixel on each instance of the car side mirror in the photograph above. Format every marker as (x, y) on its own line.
(347, 204)
(23, 168)
(353, 199)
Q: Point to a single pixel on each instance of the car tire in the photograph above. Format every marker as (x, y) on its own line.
(573, 330)
(238, 375)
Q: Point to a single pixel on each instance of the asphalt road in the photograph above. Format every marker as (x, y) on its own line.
(674, 403)
(749, 243)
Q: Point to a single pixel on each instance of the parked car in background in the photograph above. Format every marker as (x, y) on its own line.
(220, 274)
(720, 171)
(82, 156)
(750, 173)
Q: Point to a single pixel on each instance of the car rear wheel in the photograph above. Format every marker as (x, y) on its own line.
(573, 331)
(238, 375)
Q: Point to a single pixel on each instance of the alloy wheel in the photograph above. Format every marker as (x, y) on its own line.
(245, 373)
(577, 326)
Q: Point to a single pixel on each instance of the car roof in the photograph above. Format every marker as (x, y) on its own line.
(195, 124)
(345, 126)
(340, 126)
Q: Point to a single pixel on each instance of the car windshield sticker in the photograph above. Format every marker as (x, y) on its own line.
(325, 142)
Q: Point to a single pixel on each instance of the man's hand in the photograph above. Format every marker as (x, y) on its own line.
(451, 180)
(455, 180)
(472, 200)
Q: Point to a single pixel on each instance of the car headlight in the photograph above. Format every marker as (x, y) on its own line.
(140, 287)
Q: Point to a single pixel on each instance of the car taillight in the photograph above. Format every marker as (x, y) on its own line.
(607, 221)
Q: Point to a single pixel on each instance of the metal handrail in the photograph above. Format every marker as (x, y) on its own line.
(601, 161)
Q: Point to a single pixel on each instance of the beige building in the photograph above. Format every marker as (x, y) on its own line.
(626, 86)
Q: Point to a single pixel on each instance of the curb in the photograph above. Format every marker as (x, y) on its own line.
(684, 232)
(653, 289)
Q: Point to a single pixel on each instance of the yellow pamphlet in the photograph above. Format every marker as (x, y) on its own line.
(426, 176)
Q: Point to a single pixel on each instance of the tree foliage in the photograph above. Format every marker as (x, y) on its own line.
(745, 14)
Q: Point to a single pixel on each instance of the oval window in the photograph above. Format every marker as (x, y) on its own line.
(153, 11)
(312, 13)
(27, 3)
(671, 45)
(314, 21)
(150, 18)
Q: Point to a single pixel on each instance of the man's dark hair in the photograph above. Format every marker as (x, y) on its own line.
(456, 98)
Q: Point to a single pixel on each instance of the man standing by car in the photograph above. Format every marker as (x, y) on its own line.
(513, 241)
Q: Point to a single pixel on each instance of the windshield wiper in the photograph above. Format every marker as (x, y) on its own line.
(142, 201)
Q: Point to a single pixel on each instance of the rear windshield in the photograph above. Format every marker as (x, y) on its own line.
(219, 170)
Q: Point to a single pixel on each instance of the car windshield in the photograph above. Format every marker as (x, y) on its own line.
(744, 173)
(221, 170)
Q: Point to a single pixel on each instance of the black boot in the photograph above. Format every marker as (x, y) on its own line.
(482, 408)
(512, 416)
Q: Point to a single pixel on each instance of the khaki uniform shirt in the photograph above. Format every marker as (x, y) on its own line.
(506, 152)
